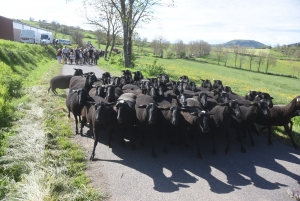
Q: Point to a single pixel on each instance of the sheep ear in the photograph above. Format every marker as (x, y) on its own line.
(142, 106)
(94, 86)
(75, 90)
(271, 97)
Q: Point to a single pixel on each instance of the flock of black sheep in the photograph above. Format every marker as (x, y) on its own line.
(141, 107)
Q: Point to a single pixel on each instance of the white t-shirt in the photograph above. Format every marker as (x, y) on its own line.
(65, 50)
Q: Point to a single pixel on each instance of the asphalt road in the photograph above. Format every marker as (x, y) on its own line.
(263, 173)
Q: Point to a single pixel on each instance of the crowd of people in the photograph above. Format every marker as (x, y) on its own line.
(79, 56)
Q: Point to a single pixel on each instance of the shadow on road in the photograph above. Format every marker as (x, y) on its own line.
(223, 173)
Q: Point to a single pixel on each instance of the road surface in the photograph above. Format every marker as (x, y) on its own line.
(263, 173)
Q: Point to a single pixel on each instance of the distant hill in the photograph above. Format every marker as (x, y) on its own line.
(244, 43)
(294, 45)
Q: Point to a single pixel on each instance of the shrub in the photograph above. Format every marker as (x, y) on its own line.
(116, 59)
(153, 69)
(170, 55)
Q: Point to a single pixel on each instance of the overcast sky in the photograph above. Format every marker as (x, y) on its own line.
(270, 22)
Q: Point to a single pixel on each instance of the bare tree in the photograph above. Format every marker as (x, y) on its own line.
(235, 50)
(295, 69)
(103, 15)
(180, 49)
(55, 27)
(199, 48)
(101, 37)
(270, 61)
(138, 42)
(77, 37)
(131, 12)
(251, 54)
(261, 58)
(242, 53)
(159, 45)
(218, 52)
(144, 42)
(225, 56)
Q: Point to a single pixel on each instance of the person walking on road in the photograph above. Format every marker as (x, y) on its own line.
(58, 55)
(64, 54)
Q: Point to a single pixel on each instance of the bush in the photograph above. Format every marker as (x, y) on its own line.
(170, 55)
(153, 69)
(116, 59)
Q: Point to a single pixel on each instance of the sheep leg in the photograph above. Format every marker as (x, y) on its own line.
(166, 134)
(82, 123)
(122, 136)
(198, 146)
(153, 142)
(228, 142)
(214, 150)
(110, 131)
(291, 126)
(142, 136)
(254, 128)
(269, 135)
(288, 130)
(95, 144)
(132, 138)
(243, 150)
(251, 138)
(76, 123)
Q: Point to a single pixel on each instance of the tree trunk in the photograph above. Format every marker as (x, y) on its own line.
(112, 45)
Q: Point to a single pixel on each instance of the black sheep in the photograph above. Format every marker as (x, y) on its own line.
(75, 101)
(126, 116)
(280, 115)
(82, 82)
(137, 76)
(100, 116)
(62, 81)
(147, 112)
(221, 120)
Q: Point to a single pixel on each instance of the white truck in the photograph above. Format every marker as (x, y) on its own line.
(46, 38)
(30, 36)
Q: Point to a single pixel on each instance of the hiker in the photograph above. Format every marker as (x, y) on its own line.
(58, 55)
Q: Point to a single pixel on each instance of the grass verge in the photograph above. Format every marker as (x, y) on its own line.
(40, 161)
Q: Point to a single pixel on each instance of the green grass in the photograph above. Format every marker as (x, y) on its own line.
(45, 164)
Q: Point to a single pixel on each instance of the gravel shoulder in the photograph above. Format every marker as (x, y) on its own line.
(263, 173)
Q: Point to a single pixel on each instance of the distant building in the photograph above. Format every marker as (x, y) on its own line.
(11, 29)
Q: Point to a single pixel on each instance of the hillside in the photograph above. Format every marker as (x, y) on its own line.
(244, 43)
